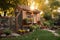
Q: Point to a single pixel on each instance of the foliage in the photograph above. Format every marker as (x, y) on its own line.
(48, 23)
(55, 4)
(6, 4)
(23, 2)
(57, 20)
(7, 31)
(21, 31)
(35, 26)
(47, 16)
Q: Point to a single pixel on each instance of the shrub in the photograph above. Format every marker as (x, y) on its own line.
(49, 23)
(21, 31)
(7, 31)
(33, 27)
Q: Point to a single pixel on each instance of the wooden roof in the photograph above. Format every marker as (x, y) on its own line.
(27, 8)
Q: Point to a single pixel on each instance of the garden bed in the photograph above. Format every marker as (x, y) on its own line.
(36, 35)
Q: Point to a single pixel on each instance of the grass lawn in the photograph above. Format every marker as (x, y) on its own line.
(36, 35)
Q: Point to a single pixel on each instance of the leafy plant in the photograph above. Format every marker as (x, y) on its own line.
(21, 31)
(33, 27)
(47, 16)
(49, 23)
(7, 31)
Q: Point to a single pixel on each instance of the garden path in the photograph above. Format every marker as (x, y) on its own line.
(52, 31)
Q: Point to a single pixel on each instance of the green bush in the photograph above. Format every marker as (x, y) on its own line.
(47, 16)
(7, 31)
(21, 31)
(36, 26)
(33, 27)
(49, 23)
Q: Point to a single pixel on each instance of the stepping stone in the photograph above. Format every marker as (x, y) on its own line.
(3, 35)
(56, 34)
(15, 34)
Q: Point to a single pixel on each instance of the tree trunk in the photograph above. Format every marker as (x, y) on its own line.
(5, 13)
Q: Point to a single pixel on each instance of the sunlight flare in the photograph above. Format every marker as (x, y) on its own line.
(58, 10)
(32, 7)
(46, 2)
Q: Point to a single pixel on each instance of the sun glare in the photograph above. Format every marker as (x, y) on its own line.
(46, 2)
(32, 7)
(58, 10)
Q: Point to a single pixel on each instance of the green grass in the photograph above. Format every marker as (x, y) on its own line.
(37, 34)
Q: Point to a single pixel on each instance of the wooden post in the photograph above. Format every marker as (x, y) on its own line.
(16, 18)
(32, 17)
